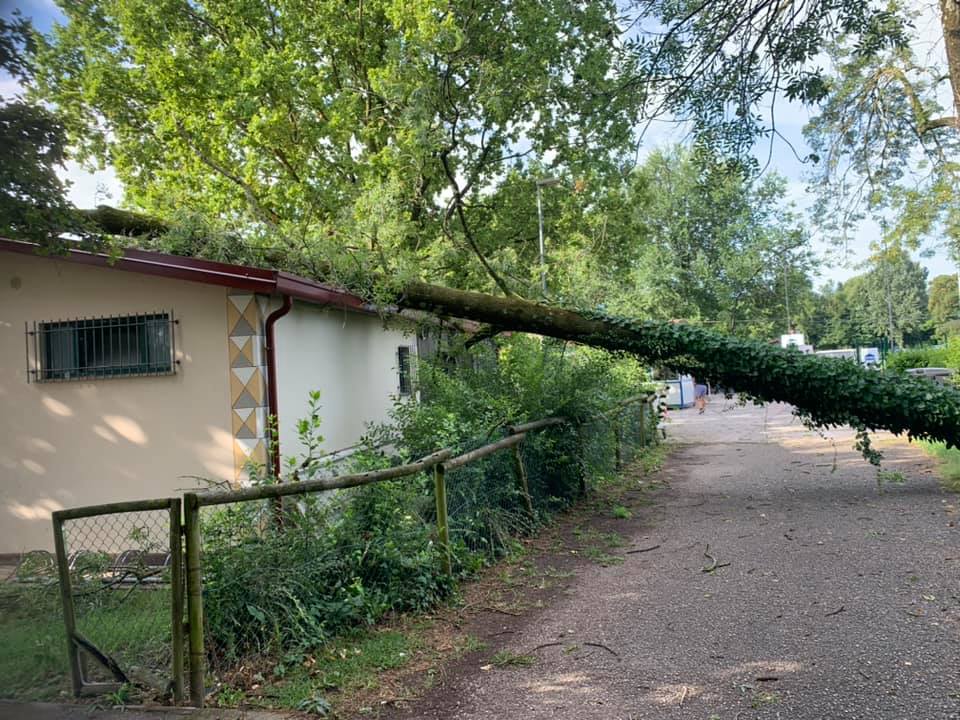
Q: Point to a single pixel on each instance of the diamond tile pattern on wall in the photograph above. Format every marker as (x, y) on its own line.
(248, 379)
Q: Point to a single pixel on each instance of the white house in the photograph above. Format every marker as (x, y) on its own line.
(126, 379)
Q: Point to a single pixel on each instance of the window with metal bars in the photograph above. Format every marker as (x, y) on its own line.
(404, 370)
(105, 347)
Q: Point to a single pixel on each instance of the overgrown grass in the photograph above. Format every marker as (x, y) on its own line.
(949, 464)
(33, 661)
(33, 649)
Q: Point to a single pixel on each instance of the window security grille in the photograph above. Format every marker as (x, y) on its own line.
(403, 368)
(106, 347)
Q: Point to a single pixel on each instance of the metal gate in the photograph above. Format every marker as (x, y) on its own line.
(120, 568)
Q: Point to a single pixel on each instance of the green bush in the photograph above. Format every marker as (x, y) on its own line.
(345, 559)
(918, 358)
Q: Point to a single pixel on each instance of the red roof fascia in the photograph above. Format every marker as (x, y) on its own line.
(240, 277)
(304, 289)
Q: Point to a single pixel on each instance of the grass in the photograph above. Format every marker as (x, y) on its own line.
(949, 462)
(505, 658)
(135, 631)
(33, 662)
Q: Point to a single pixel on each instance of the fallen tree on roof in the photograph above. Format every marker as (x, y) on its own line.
(826, 392)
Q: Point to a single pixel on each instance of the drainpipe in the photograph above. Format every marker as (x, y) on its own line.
(274, 445)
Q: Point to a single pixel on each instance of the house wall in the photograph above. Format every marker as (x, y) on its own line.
(350, 358)
(64, 444)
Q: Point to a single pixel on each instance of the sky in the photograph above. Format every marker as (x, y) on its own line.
(89, 188)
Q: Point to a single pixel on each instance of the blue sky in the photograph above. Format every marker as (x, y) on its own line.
(91, 188)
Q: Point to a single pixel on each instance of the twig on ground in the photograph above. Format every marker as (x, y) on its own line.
(641, 550)
(601, 645)
(767, 678)
(863, 674)
(835, 612)
(546, 645)
(683, 695)
(714, 565)
(491, 608)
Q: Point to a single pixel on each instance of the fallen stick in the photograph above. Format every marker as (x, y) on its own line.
(601, 645)
(490, 608)
(641, 550)
(835, 612)
(714, 565)
(546, 645)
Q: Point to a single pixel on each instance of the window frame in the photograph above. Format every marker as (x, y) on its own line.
(103, 348)
(404, 357)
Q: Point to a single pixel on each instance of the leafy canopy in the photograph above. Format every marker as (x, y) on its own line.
(376, 129)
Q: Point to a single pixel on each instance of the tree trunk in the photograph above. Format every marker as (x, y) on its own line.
(829, 392)
(950, 20)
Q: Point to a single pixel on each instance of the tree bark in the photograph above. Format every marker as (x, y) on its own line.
(950, 20)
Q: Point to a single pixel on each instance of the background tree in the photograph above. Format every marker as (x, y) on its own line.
(32, 147)
(374, 133)
(943, 306)
(886, 144)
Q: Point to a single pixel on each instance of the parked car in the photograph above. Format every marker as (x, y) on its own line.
(940, 375)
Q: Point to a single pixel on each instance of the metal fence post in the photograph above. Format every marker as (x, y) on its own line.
(176, 597)
(194, 597)
(443, 530)
(66, 598)
(643, 431)
(618, 456)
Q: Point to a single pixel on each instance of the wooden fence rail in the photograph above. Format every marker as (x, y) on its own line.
(439, 462)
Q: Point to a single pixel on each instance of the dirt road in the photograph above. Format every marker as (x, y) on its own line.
(826, 599)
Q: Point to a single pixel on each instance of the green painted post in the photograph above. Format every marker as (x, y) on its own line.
(617, 440)
(443, 530)
(176, 598)
(194, 598)
(66, 600)
(643, 431)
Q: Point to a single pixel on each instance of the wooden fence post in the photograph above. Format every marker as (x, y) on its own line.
(194, 597)
(443, 530)
(176, 598)
(66, 599)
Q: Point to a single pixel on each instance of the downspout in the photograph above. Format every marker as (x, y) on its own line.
(274, 445)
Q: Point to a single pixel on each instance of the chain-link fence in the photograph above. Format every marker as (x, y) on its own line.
(121, 587)
(270, 565)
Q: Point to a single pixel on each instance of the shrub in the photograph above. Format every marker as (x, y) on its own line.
(917, 358)
(347, 558)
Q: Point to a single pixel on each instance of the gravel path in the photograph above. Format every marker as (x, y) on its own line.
(829, 600)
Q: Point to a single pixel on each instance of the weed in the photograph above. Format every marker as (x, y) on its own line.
(602, 558)
(621, 512)
(762, 698)
(230, 697)
(889, 477)
(505, 658)
(949, 464)
(316, 704)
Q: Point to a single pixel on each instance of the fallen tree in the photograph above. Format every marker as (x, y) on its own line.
(826, 392)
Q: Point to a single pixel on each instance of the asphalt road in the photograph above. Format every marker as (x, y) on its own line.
(828, 600)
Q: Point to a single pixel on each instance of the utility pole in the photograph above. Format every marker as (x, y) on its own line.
(542, 183)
